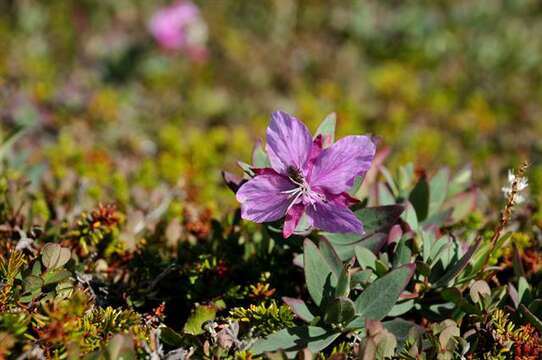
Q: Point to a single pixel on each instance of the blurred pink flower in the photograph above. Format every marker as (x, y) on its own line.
(180, 27)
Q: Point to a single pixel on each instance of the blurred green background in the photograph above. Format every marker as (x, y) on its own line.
(444, 82)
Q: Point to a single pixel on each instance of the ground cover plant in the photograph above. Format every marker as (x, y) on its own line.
(196, 180)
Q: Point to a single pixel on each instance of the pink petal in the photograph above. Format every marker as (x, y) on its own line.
(316, 147)
(292, 219)
(264, 171)
(331, 217)
(262, 199)
(337, 166)
(289, 142)
(343, 199)
(168, 25)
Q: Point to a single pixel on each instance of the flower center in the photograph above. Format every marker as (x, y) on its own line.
(302, 190)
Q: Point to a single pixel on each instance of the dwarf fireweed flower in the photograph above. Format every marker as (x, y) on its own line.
(180, 27)
(306, 179)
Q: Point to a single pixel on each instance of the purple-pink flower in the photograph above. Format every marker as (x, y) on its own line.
(306, 179)
(180, 27)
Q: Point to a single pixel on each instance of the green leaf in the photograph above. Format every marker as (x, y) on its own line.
(423, 268)
(378, 299)
(536, 307)
(361, 277)
(385, 196)
(344, 244)
(390, 182)
(32, 283)
(297, 338)
(523, 289)
(462, 205)
(331, 257)
(259, 156)
(199, 316)
(409, 216)
(438, 248)
(401, 328)
(30, 296)
(327, 130)
(428, 238)
(304, 227)
(318, 274)
(406, 176)
(438, 188)
(299, 307)
(55, 276)
(366, 258)
(36, 268)
(403, 253)
(343, 284)
(452, 295)
(64, 289)
(377, 222)
(247, 168)
(532, 318)
(460, 182)
(379, 219)
(54, 256)
(171, 337)
(401, 308)
(358, 180)
(478, 290)
(381, 267)
(340, 310)
(419, 198)
(456, 269)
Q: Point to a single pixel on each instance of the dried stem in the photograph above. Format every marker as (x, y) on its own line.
(506, 214)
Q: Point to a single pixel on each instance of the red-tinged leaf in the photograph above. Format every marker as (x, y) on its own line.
(233, 181)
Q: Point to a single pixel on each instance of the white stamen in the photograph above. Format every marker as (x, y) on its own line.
(303, 190)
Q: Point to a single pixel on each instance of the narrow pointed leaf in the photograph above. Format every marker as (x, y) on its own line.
(459, 266)
(532, 318)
